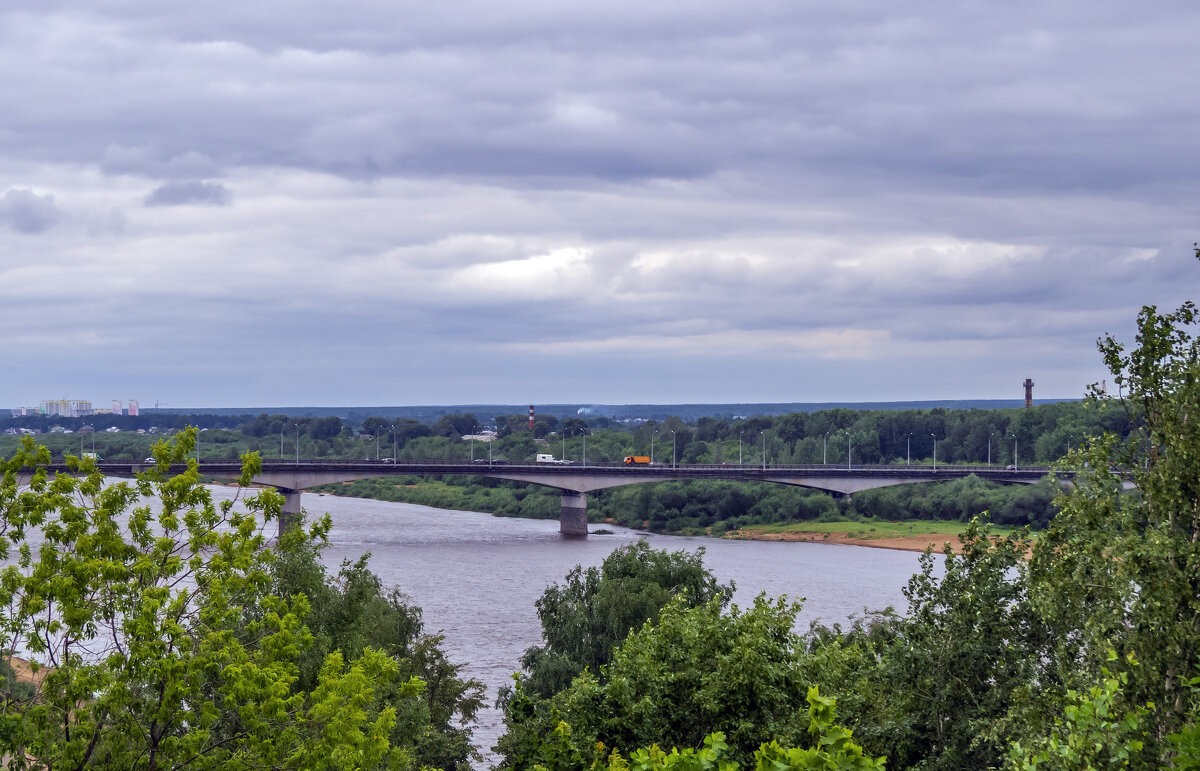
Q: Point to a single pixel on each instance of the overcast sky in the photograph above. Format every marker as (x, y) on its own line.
(362, 203)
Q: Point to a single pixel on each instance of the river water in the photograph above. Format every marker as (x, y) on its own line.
(476, 577)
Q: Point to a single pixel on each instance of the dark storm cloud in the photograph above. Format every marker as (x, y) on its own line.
(193, 192)
(27, 212)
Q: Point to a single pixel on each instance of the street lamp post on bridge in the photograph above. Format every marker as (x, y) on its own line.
(934, 451)
(1015, 463)
(908, 448)
(824, 446)
(297, 443)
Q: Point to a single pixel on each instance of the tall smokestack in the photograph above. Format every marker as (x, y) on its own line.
(531, 417)
(1028, 392)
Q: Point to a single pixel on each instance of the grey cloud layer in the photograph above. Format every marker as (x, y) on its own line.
(192, 192)
(787, 185)
(27, 212)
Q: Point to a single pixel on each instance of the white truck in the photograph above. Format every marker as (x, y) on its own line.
(543, 457)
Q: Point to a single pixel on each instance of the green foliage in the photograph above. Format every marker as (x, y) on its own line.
(969, 642)
(147, 613)
(1120, 569)
(352, 614)
(833, 749)
(697, 671)
(594, 609)
(1093, 733)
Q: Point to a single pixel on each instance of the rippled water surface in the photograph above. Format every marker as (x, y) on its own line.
(476, 577)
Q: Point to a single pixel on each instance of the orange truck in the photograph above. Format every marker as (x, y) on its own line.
(637, 460)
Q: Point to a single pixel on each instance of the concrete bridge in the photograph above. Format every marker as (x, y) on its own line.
(576, 481)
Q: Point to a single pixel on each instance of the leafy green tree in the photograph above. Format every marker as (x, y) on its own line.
(575, 427)
(970, 642)
(697, 671)
(1119, 569)
(146, 614)
(1093, 733)
(587, 616)
(353, 612)
(832, 748)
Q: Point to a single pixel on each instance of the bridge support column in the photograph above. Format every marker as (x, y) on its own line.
(290, 516)
(573, 519)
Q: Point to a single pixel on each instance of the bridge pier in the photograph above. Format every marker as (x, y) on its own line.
(573, 519)
(289, 517)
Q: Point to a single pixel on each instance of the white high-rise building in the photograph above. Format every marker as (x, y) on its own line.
(67, 408)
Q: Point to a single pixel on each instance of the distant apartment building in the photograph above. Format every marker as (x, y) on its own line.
(67, 408)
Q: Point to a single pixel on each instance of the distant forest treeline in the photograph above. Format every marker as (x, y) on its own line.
(1039, 436)
(1036, 436)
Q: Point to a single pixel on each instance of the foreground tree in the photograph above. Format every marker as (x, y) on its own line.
(588, 615)
(1119, 569)
(695, 671)
(154, 639)
(352, 613)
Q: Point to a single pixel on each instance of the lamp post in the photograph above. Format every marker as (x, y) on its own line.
(848, 467)
(564, 455)
(990, 448)
(584, 437)
(393, 443)
(652, 447)
(1014, 438)
(824, 444)
(282, 431)
(297, 443)
(740, 447)
(672, 449)
(764, 442)
(908, 449)
(934, 451)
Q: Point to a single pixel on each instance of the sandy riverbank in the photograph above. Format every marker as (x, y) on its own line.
(910, 542)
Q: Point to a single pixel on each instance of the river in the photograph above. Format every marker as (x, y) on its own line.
(476, 577)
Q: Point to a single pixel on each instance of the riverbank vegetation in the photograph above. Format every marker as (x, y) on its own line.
(703, 507)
